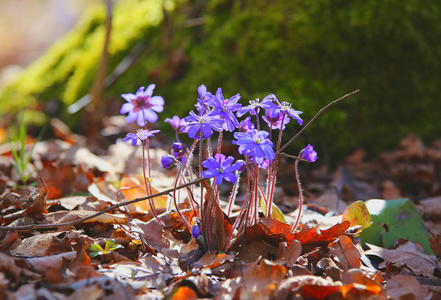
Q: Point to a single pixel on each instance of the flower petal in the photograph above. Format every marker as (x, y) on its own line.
(125, 108)
(128, 96)
(157, 101)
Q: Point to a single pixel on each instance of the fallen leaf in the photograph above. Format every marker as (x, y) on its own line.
(313, 235)
(407, 255)
(52, 267)
(435, 244)
(348, 256)
(357, 214)
(406, 287)
(132, 189)
(402, 220)
(69, 216)
(43, 245)
(260, 280)
(183, 293)
(212, 260)
(290, 255)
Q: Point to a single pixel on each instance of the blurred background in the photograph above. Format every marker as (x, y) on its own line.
(55, 63)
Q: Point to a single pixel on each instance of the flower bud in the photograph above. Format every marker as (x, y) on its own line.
(195, 231)
(308, 154)
(167, 161)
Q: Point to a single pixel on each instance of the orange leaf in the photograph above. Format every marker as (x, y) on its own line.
(318, 291)
(132, 189)
(184, 293)
(312, 235)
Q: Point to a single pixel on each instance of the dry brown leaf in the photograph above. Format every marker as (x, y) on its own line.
(154, 235)
(408, 255)
(435, 244)
(16, 271)
(213, 260)
(348, 256)
(289, 255)
(43, 245)
(52, 267)
(41, 264)
(92, 292)
(9, 240)
(406, 287)
(69, 216)
(291, 285)
(260, 280)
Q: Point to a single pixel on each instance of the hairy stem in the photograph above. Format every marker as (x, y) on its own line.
(296, 171)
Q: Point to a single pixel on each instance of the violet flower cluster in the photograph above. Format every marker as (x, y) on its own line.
(214, 113)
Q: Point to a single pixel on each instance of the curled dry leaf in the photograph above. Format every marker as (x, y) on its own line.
(408, 255)
(346, 254)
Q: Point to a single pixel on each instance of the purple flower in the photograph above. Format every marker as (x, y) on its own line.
(142, 107)
(254, 107)
(255, 144)
(179, 150)
(202, 106)
(246, 125)
(177, 123)
(308, 154)
(195, 231)
(201, 127)
(274, 119)
(224, 108)
(285, 109)
(141, 134)
(221, 168)
(167, 161)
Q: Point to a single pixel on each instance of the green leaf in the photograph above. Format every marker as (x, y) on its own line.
(93, 254)
(392, 220)
(110, 246)
(95, 248)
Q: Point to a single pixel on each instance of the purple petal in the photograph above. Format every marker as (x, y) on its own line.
(150, 116)
(126, 107)
(202, 90)
(157, 101)
(140, 120)
(230, 177)
(128, 96)
(218, 179)
(149, 89)
(131, 117)
(227, 161)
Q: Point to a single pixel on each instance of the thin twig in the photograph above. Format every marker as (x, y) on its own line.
(50, 226)
(315, 117)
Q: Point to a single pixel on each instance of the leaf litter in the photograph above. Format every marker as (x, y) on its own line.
(323, 260)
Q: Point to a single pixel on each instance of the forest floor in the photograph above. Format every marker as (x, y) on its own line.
(69, 237)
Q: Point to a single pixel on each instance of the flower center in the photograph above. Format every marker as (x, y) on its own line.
(141, 103)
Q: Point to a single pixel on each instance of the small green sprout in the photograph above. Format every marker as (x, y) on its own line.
(98, 250)
(22, 158)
